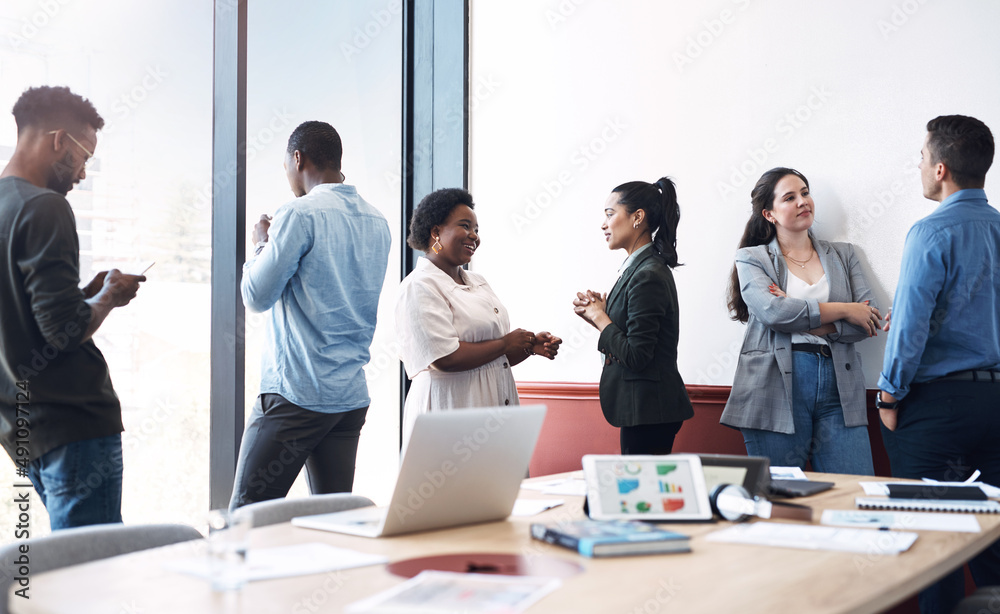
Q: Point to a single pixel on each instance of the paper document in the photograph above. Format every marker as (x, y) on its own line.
(562, 486)
(924, 521)
(787, 473)
(530, 507)
(811, 537)
(434, 592)
(286, 561)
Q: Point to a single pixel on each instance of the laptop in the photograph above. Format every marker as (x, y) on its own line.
(459, 467)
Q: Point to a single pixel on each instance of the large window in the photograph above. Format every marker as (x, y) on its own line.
(341, 65)
(147, 67)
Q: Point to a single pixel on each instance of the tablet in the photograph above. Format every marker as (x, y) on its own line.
(669, 488)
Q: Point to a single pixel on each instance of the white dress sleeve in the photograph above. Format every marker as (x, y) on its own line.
(424, 325)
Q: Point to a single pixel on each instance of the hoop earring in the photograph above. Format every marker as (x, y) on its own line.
(437, 247)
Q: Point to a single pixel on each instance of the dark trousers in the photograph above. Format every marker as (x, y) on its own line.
(649, 438)
(946, 431)
(281, 437)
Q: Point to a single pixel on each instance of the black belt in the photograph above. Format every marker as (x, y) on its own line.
(972, 375)
(813, 348)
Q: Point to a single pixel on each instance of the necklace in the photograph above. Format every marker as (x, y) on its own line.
(801, 263)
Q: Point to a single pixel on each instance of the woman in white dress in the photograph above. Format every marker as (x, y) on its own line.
(454, 334)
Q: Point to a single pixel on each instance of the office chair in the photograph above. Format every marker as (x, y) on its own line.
(83, 544)
(282, 510)
(985, 599)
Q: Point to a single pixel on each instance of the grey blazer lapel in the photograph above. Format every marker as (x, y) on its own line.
(778, 262)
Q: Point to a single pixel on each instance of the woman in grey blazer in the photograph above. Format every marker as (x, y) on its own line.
(641, 390)
(799, 391)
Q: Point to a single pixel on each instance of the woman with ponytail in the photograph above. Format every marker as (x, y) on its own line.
(799, 391)
(641, 390)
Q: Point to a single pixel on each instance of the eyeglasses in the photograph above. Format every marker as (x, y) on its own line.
(89, 153)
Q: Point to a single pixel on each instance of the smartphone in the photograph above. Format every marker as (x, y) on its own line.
(142, 268)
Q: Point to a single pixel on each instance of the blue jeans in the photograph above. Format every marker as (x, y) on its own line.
(80, 483)
(820, 436)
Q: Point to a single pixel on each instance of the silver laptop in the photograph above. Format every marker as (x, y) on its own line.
(460, 467)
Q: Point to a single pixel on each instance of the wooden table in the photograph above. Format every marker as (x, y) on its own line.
(715, 577)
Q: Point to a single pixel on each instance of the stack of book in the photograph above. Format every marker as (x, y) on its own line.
(594, 538)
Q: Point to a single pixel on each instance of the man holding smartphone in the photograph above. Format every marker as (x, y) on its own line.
(60, 419)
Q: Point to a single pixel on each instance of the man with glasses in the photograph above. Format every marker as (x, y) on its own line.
(60, 419)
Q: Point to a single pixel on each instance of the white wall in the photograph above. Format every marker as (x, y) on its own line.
(572, 98)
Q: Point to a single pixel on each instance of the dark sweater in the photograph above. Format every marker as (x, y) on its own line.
(43, 317)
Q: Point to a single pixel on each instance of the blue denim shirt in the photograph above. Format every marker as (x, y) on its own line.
(320, 275)
(946, 313)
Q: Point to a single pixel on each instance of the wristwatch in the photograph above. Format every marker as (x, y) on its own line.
(880, 404)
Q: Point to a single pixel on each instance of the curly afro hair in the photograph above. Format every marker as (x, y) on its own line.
(46, 105)
(432, 211)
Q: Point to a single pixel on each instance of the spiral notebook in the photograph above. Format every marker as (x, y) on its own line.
(928, 505)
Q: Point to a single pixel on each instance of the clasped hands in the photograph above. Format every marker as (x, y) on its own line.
(543, 344)
(592, 307)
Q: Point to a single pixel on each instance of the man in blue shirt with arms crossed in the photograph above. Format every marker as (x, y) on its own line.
(940, 383)
(318, 267)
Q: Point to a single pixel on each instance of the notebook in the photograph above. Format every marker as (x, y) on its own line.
(596, 538)
(928, 505)
(460, 466)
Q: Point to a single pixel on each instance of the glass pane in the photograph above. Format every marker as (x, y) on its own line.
(147, 196)
(342, 65)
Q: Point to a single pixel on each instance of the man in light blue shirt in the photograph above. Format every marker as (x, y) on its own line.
(940, 384)
(318, 269)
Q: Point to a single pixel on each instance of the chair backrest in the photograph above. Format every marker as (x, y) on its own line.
(82, 544)
(282, 510)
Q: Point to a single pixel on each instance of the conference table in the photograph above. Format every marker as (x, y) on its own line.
(714, 577)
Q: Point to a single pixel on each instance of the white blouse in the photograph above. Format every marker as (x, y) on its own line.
(820, 291)
(433, 313)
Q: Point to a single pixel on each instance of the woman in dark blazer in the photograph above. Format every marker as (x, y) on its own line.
(641, 390)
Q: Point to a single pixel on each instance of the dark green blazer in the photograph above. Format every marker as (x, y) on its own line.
(640, 383)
